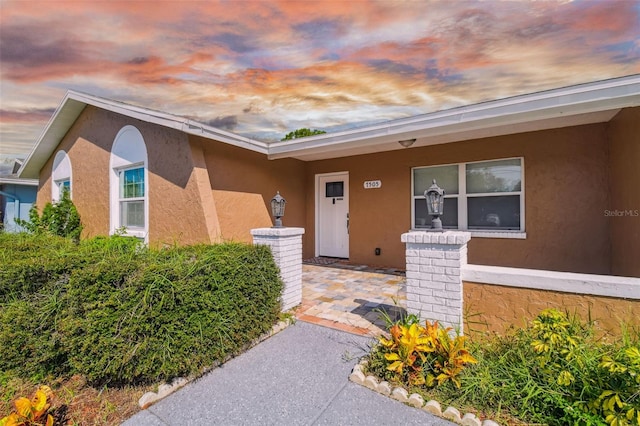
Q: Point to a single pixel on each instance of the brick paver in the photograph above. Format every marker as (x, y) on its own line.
(350, 297)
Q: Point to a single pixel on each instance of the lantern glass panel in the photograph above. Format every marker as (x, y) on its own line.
(434, 203)
(449, 218)
(277, 208)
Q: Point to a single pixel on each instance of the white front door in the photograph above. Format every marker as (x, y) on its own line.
(332, 232)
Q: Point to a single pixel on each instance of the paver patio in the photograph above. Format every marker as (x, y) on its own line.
(350, 297)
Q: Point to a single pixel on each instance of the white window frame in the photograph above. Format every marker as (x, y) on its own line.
(128, 152)
(462, 197)
(121, 200)
(61, 172)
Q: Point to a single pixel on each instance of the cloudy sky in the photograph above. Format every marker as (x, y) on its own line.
(264, 68)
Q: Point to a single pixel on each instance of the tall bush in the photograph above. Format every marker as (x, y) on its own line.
(60, 218)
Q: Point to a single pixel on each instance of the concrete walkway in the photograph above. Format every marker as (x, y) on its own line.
(297, 377)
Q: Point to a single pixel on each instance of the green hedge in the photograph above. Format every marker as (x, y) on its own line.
(119, 313)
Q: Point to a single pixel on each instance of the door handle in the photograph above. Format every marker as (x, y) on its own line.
(347, 223)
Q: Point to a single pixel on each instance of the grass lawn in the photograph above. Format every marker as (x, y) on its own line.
(77, 403)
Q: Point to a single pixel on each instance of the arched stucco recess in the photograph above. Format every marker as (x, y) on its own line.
(61, 170)
(201, 175)
(129, 149)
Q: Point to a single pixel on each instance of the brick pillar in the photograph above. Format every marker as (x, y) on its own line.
(286, 246)
(434, 285)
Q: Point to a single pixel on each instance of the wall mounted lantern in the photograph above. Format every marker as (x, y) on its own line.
(277, 209)
(435, 205)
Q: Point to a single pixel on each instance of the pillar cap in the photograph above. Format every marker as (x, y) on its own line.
(444, 238)
(277, 232)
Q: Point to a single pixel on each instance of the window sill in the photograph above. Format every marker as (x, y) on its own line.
(517, 235)
(513, 235)
(133, 233)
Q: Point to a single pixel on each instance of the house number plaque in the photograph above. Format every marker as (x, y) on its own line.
(372, 184)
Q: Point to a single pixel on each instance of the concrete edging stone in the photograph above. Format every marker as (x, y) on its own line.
(400, 394)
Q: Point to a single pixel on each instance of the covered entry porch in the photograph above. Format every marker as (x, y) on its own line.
(351, 297)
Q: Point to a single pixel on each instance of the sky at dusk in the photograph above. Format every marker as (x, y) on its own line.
(264, 68)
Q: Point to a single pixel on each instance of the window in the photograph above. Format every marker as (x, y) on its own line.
(129, 184)
(484, 196)
(334, 189)
(132, 197)
(60, 175)
(63, 185)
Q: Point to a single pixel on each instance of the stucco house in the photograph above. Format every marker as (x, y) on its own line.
(547, 180)
(16, 198)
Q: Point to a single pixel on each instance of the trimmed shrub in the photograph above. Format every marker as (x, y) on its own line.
(37, 262)
(127, 314)
(31, 262)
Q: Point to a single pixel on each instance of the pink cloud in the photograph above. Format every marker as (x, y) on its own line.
(266, 61)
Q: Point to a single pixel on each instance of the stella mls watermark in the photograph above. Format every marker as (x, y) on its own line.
(622, 213)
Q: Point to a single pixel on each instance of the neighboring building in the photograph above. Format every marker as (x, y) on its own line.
(17, 196)
(548, 180)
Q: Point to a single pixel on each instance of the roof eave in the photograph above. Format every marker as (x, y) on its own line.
(19, 181)
(74, 103)
(589, 103)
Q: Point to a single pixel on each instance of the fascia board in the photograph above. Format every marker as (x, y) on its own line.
(18, 181)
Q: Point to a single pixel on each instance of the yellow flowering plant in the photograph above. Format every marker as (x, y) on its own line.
(425, 355)
(31, 412)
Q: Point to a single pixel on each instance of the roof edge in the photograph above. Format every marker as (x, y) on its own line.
(584, 98)
(72, 105)
(569, 101)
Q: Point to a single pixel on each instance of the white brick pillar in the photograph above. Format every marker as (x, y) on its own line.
(286, 246)
(434, 285)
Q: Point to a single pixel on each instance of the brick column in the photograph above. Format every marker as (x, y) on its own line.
(434, 285)
(286, 246)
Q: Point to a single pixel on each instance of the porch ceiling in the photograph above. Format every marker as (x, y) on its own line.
(439, 135)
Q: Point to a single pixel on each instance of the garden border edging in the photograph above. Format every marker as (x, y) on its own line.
(400, 394)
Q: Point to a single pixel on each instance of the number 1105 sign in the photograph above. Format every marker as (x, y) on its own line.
(371, 184)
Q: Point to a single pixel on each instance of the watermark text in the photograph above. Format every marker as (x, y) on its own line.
(622, 213)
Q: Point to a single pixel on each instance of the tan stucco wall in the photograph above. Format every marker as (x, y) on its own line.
(175, 213)
(243, 183)
(88, 144)
(496, 308)
(624, 204)
(565, 178)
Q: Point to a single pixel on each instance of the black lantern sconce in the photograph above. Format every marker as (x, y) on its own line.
(435, 205)
(277, 209)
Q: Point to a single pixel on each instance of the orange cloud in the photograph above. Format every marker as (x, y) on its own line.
(256, 66)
